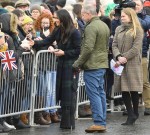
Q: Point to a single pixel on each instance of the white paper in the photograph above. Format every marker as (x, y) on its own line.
(117, 70)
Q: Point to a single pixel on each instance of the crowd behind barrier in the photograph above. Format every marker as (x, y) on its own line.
(35, 90)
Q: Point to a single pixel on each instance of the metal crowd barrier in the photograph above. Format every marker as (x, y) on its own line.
(35, 89)
(44, 93)
(82, 96)
(16, 87)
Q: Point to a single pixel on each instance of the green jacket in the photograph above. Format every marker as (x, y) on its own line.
(94, 43)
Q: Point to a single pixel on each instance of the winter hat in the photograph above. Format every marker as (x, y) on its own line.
(2, 11)
(7, 3)
(22, 3)
(26, 20)
(35, 7)
(146, 4)
(61, 3)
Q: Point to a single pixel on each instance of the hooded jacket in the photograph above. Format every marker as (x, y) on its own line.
(9, 26)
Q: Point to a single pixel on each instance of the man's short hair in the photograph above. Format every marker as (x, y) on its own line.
(89, 9)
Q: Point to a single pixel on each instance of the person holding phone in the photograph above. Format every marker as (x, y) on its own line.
(68, 40)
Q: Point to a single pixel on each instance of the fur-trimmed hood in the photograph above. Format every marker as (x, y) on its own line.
(9, 23)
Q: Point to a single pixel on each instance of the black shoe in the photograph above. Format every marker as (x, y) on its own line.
(1, 128)
(109, 97)
(147, 111)
(19, 124)
(125, 113)
(130, 120)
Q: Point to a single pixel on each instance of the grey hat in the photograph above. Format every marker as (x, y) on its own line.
(35, 7)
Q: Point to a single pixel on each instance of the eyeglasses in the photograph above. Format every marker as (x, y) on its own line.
(35, 12)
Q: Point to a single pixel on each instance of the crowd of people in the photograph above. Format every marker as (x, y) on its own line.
(83, 35)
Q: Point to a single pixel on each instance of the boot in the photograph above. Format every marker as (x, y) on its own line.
(23, 118)
(54, 118)
(38, 119)
(19, 124)
(1, 128)
(131, 116)
(47, 117)
(84, 111)
(135, 101)
(5, 127)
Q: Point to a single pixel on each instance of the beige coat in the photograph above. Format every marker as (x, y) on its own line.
(131, 48)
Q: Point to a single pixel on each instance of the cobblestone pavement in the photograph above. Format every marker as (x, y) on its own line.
(114, 127)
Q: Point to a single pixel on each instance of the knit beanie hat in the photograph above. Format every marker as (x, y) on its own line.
(61, 3)
(35, 7)
(2, 11)
(22, 3)
(26, 20)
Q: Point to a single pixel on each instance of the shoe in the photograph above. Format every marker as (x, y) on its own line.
(125, 113)
(130, 120)
(95, 128)
(109, 97)
(54, 118)
(5, 124)
(85, 111)
(23, 118)
(7, 127)
(38, 119)
(1, 128)
(47, 117)
(19, 124)
(147, 111)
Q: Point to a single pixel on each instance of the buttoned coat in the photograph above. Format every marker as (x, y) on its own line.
(131, 48)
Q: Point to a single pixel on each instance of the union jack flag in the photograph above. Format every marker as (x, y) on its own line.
(8, 60)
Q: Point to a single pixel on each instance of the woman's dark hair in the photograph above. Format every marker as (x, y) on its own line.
(77, 10)
(44, 5)
(18, 12)
(66, 24)
(106, 20)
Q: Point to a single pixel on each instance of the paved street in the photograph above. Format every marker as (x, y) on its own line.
(114, 127)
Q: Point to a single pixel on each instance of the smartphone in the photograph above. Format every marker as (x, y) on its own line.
(37, 33)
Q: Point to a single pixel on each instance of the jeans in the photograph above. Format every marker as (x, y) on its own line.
(47, 88)
(94, 83)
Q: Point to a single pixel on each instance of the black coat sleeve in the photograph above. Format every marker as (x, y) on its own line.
(75, 43)
(47, 41)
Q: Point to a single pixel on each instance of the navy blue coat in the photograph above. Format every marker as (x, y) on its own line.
(145, 22)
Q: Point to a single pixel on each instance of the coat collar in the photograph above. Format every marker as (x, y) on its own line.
(92, 19)
(125, 27)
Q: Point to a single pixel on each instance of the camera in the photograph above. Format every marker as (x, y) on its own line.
(123, 4)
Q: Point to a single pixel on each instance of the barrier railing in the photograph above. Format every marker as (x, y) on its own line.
(44, 93)
(34, 89)
(16, 87)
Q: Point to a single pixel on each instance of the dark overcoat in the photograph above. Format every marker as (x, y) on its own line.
(64, 79)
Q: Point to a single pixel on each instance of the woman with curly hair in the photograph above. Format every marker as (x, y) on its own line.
(44, 26)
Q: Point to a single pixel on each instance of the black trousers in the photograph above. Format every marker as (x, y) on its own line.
(131, 100)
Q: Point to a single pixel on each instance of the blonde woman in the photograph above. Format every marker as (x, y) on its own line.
(127, 50)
